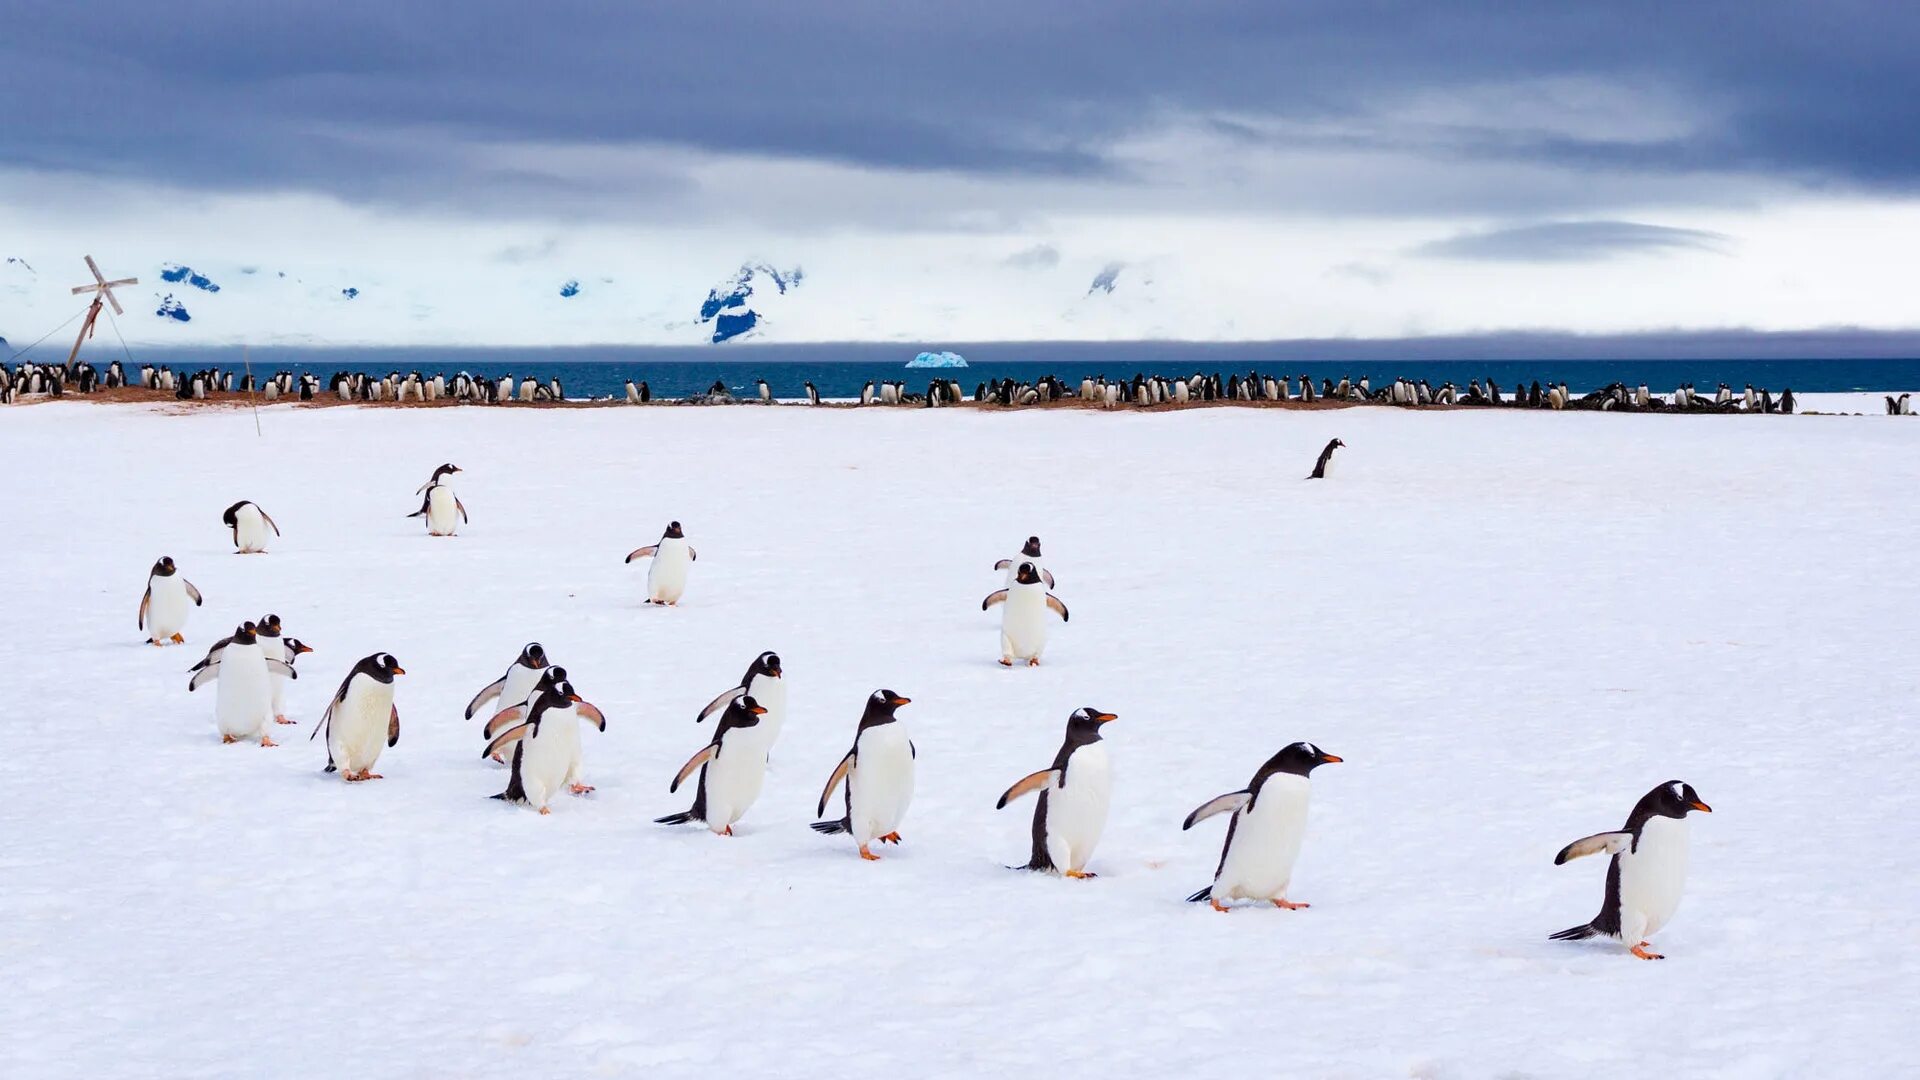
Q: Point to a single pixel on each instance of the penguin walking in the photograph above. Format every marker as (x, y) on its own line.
(440, 475)
(249, 524)
(275, 646)
(503, 718)
(1075, 793)
(1030, 552)
(545, 740)
(1263, 837)
(732, 767)
(879, 776)
(514, 687)
(672, 558)
(444, 511)
(1321, 466)
(243, 702)
(1648, 871)
(764, 682)
(1023, 625)
(168, 601)
(362, 719)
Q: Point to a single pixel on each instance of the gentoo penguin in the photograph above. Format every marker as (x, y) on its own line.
(766, 394)
(1030, 552)
(441, 507)
(249, 524)
(362, 719)
(667, 577)
(274, 646)
(514, 687)
(1648, 871)
(879, 775)
(545, 740)
(813, 395)
(244, 701)
(1075, 792)
(1023, 625)
(765, 682)
(1263, 837)
(168, 601)
(732, 767)
(438, 474)
(502, 719)
(1326, 459)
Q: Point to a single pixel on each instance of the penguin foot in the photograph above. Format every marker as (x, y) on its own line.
(580, 789)
(225, 739)
(1640, 951)
(1217, 905)
(545, 810)
(1079, 874)
(278, 719)
(368, 774)
(1033, 661)
(868, 855)
(726, 831)
(178, 640)
(266, 740)
(1006, 661)
(1290, 905)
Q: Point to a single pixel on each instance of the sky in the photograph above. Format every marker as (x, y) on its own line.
(438, 174)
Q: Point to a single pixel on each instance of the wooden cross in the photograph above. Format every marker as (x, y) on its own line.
(102, 291)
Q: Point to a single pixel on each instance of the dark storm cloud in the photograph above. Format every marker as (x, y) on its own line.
(387, 101)
(1573, 241)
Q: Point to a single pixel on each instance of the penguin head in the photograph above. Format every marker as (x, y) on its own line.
(533, 656)
(747, 711)
(1085, 724)
(244, 634)
(1027, 575)
(443, 470)
(268, 626)
(1299, 759)
(767, 663)
(1032, 550)
(552, 676)
(881, 705)
(1676, 799)
(163, 568)
(295, 646)
(1335, 444)
(673, 531)
(387, 665)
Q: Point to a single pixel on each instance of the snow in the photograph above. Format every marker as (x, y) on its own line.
(1510, 625)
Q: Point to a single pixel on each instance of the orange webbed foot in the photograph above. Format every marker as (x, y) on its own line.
(1006, 661)
(1217, 905)
(1640, 951)
(281, 720)
(265, 741)
(178, 640)
(890, 838)
(545, 810)
(225, 739)
(1290, 905)
(1081, 874)
(1033, 661)
(868, 855)
(581, 789)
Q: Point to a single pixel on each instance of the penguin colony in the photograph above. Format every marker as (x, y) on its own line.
(28, 379)
(533, 720)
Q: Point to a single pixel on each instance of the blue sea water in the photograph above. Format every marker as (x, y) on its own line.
(839, 371)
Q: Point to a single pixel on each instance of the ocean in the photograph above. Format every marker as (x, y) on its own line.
(839, 371)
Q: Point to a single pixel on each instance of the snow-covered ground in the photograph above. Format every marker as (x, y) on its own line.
(1510, 624)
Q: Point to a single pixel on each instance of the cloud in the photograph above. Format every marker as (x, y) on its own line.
(1573, 241)
(1037, 257)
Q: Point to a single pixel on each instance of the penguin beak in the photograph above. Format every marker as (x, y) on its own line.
(575, 698)
(302, 647)
(1329, 759)
(902, 701)
(1105, 717)
(398, 670)
(759, 710)
(1700, 806)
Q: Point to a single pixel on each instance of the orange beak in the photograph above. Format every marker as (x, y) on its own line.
(304, 648)
(1105, 717)
(1700, 806)
(759, 710)
(903, 701)
(398, 670)
(573, 697)
(1330, 759)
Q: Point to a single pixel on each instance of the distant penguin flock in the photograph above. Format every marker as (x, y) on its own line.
(534, 720)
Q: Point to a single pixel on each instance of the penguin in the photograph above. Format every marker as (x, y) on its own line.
(276, 647)
(1023, 625)
(766, 394)
(502, 719)
(243, 702)
(249, 524)
(514, 687)
(1075, 793)
(866, 393)
(1263, 837)
(813, 395)
(732, 767)
(442, 508)
(1786, 401)
(445, 470)
(672, 556)
(545, 740)
(764, 682)
(1028, 553)
(1648, 871)
(1326, 458)
(165, 605)
(879, 775)
(362, 719)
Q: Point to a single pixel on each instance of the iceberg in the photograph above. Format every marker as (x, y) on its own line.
(937, 360)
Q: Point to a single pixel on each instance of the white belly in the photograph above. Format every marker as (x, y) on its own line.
(550, 757)
(443, 516)
(667, 576)
(1266, 842)
(880, 784)
(243, 699)
(1077, 811)
(1023, 622)
(168, 607)
(1653, 876)
(273, 648)
(249, 529)
(772, 696)
(358, 731)
(735, 776)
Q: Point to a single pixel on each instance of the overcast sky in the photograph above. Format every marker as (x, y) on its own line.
(984, 170)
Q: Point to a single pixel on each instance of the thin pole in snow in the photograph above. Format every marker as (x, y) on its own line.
(253, 389)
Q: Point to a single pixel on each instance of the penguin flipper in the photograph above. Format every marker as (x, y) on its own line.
(643, 553)
(206, 675)
(146, 601)
(281, 667)
(839, 774)
(507, 738)
(486, 694)
(693, 763)
(1059, 608)
(269, 521)
(998, 596)
(721, 702)
(1028, 784)
(458, 505)
(1047, 576)
(1003, 564)
(1612, 843)
(592, 712)
(693, 553)
(1232, 800)
(502, 718)
(393, 727)
(191, 591)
